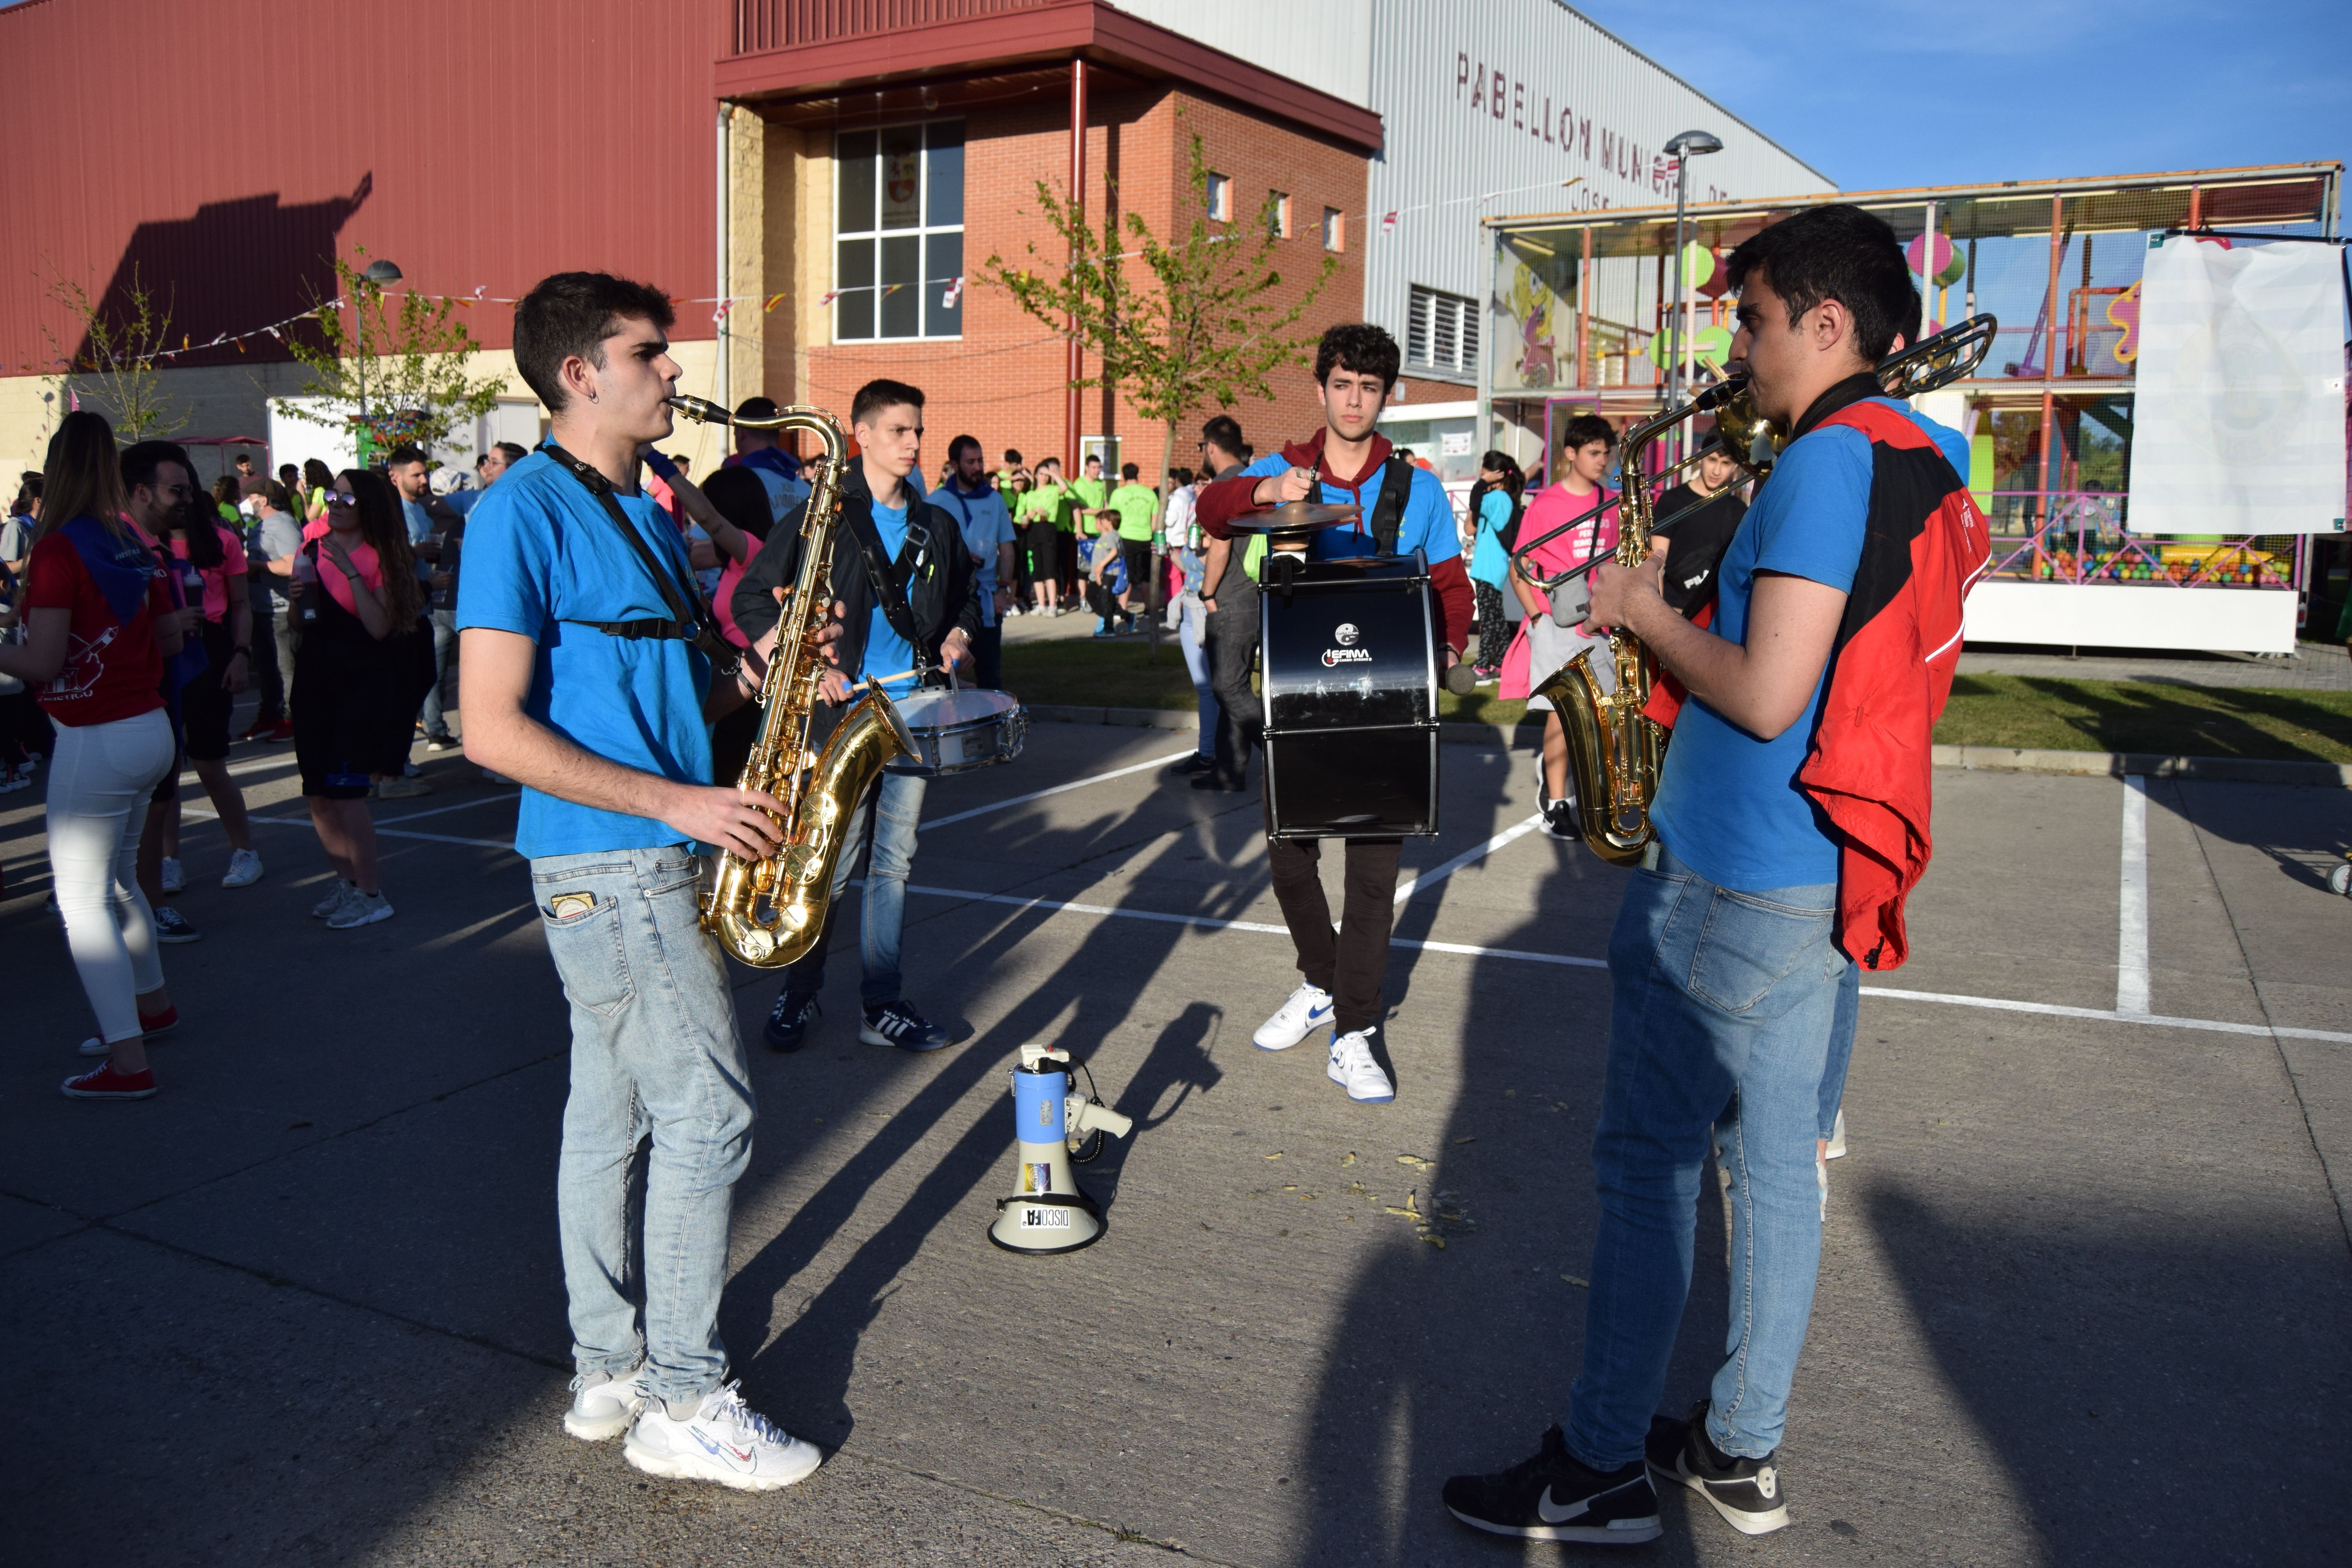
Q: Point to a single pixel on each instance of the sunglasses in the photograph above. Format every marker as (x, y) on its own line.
(337, 498)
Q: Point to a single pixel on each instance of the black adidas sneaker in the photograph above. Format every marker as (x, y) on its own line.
(1747, 1492)
(1551, 1497)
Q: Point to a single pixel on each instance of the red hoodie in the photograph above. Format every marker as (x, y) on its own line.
(1449, 580)
(1870, 765)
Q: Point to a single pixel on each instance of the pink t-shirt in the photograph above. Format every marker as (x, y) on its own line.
(723, 601)
(371, 572)
(216, 579)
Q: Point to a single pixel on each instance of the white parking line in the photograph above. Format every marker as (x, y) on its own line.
(1996, 1003)
(1412, 885)
(1058, 789)
(2131, 926)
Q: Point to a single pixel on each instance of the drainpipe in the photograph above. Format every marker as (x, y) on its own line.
(725, 384)
(1077, 367)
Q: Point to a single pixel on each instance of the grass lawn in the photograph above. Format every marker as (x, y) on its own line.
(2143, 716)
(1985, 710)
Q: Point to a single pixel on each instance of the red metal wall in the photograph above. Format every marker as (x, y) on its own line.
(781, 24)
(227, 147)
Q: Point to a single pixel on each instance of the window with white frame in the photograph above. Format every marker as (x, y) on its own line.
(1278, 218)
(1221, 198)
(898, 232)
(1441, 332)
(1335, 229)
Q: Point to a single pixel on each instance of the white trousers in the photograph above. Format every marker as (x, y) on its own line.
(99, 778)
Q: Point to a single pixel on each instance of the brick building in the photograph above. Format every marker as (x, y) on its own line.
(817, 183)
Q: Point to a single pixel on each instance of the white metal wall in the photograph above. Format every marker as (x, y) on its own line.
(1326, 44)
(1490, 106)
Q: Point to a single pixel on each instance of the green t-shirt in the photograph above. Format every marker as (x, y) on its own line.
(1135, 504)
(1050, 505)
(1090, 492)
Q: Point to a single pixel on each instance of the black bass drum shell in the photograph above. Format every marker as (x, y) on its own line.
(1350, 680)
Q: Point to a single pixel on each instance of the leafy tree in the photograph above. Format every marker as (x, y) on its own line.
(1178, 326)
(111, 362)
(400, 369)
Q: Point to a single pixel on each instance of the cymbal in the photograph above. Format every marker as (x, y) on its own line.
(1295, 516)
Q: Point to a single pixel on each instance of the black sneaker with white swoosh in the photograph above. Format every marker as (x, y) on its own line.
(1553, 1497)
(1747, 1492)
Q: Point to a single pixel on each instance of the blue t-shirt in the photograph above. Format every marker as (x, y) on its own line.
(985, 524)
(1728, 804)
(1427, 524)
(888, 653)
(1489, 563)
(541, 551)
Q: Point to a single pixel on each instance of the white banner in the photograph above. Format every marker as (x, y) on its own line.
(2238, 419)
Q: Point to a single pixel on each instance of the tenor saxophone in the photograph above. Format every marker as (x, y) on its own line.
(770, 910)
(1615, 752)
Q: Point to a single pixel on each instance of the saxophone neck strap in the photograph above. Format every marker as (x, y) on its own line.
(687, 621)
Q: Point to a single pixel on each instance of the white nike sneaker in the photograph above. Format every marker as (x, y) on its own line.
(605, 1407)
(725, 1441)
(243, 870)
(1308, 1009)
(171, 878)
(1353, 1069)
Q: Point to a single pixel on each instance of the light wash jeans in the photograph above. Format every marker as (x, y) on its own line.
(445, 666)
(1722, 1007)
(99, 778)
(1841, 1028)
(888, 818)
(1192, 637)
(655, 1049)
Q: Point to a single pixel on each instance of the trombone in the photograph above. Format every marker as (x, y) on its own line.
(1754, 442)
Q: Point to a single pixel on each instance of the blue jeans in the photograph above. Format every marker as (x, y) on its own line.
(887, 819)
(1192, 637)
(655, 1049)
(1722, 1005)
(445, 663)
(1841, 1028)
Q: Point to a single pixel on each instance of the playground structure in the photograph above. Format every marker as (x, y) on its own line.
(1580, 324)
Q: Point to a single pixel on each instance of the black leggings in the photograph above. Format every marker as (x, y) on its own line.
(1494, 631)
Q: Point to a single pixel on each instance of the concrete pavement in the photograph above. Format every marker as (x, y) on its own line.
(2085, 1284)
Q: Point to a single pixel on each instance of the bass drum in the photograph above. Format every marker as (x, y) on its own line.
(1350, 677)
(956, 730)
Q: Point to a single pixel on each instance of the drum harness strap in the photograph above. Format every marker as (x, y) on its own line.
(1387, 512)
(688, 621)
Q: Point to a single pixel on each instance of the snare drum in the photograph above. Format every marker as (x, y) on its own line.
(1351, 698)
(956, 731)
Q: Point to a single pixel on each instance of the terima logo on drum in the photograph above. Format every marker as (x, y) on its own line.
(1335, 656)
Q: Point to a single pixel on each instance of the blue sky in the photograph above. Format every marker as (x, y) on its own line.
(1901, 92)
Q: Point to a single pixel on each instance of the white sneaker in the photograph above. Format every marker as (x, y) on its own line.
(174, 882)
(362, 909)
(243, 870)
(1308, 1009)
(605, 1408)
(725, 1441)
(325, 908)
(1353, 1069)
(1836, 1151)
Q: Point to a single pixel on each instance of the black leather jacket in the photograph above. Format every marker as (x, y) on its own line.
(940, 583)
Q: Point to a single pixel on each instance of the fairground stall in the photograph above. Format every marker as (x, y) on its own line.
(2163, 412)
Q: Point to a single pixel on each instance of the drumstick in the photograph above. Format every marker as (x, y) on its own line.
(879, 681)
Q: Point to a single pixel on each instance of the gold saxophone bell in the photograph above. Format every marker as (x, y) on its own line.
(1616, 752)
(768, 912)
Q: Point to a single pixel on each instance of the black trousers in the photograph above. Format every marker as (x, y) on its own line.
(1350, 966)
(988, 658)
(1493, 630)
(1232, 632)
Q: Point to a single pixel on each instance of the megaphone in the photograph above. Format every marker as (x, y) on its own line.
(1046, 1211)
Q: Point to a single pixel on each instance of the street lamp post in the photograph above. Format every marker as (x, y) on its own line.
(1689, 144)
(378, 272)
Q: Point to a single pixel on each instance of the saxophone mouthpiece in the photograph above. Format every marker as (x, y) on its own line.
(702, 410)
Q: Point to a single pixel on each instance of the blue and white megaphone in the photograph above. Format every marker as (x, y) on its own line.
(1046, 1211)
